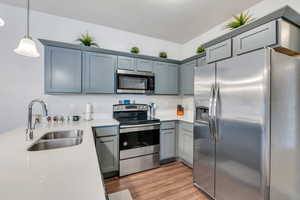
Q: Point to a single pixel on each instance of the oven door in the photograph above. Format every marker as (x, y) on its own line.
(138, 140)
(135, 82)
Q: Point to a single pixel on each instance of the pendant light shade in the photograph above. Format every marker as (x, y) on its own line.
(2, 23)
(27, 46)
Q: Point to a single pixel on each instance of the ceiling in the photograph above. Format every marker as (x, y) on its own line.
(173, 20)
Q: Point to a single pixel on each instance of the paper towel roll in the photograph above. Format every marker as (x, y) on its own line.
(89, 108)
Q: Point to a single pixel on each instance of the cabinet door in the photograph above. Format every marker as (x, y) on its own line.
(219, 51)
(161, 78)
(107, 150)
(99, 73)
(144, 65)
(187, 78)
(168, 148)
(188, 147)
(172, 79)
(166, 78)
(62, 70)
(126, 63)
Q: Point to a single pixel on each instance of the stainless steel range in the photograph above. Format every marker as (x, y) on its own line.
(139, 138)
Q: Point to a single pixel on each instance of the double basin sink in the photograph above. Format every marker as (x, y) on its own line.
(58, 139)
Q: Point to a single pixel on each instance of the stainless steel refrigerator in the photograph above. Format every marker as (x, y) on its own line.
(247, 127)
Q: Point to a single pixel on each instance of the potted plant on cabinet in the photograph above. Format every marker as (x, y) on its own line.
(87, 40)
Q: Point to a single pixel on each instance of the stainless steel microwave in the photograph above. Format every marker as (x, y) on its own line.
(132, 82)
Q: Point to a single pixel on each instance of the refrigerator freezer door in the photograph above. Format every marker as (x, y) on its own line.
(242, 121)
(204, 144)
(285, 121)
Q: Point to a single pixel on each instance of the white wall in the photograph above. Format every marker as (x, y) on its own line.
(21, 78)
(257, 11)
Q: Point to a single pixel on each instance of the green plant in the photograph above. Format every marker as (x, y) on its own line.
(87, 40)
(135, 50)
(239, 20)
(200, 49)
(163, 54)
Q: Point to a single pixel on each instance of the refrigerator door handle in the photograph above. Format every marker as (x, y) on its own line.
(215, 112)
(210, 113)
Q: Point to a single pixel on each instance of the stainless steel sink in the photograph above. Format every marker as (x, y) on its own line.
(42, 145)
(63, 134)
(58, 139)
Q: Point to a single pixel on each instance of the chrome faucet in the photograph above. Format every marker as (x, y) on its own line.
(30, 128)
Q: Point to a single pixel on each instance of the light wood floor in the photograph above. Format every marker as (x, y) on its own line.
(169, 182)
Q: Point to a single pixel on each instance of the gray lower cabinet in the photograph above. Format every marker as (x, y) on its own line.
(99, 73)
(107, 146)
(166, 78)
(126, 63)
(62, 70)
(187, 78)
(185, 142)
(168, 141)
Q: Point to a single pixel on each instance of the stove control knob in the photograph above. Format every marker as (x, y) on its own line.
(125, 144)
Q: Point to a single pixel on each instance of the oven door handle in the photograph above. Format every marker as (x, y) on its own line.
(138, 125)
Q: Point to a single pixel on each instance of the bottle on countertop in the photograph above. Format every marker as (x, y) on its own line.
(180, 110)
(88, 112)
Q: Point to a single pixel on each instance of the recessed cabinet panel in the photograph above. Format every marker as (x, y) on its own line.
(168, 147)
(99, 73)
(62, 70)
(144, 65)
(257, 38)
(185, 142)
(187, 78)
(126, 63)
(166, 78)
(107, 150)
(219, 51)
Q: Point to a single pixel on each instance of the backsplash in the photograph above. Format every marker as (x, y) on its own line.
(102, 104)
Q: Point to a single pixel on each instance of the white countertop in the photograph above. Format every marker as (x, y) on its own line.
(70, 173)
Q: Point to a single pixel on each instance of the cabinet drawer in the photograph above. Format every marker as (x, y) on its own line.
(257, 38)
(186, 126)
(219, 51)
(167, 125)
(106, 131)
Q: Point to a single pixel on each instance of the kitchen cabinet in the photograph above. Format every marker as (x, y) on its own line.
(166, 78)
(187, 78)
(143, 65)
(62, 70)
(219, 51)
(185, 142)
(107, 147)
(168, 141)
(126, 63)
(99, 73)
(257, 38)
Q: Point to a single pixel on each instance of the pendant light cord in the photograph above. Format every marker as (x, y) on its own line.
(28, 6)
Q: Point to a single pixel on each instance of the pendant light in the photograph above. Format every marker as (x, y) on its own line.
(27, 46)
(2, 23)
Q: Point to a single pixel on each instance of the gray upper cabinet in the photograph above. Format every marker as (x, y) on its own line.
(166, 78)
(126, 63)
(219, 51)
(187, 78)
(143, 65)
(99, 73)
(257, 38)
(62, 70)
